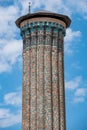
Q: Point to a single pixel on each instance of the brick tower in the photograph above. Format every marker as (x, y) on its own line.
(43, 70)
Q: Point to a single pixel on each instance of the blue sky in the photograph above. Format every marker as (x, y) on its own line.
(75, 60)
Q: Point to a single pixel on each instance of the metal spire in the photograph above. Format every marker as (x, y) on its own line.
(29, 7)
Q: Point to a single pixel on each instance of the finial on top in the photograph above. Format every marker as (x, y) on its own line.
(29, 7)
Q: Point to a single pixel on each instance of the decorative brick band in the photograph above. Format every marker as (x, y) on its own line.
(43, 33)
(40, 88)
(33, 101)
(48, 88)
(55, 89)
(30, 31)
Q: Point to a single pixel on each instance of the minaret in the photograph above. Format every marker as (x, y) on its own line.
(43, 101)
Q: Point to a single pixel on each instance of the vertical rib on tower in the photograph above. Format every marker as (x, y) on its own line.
(43, 70)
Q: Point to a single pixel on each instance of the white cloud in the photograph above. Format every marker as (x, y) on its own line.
(14, 98)
(54, 6)
(8, 16)
(4, 113)
(10, 52)
(7, 118)
(70, 40)
(57, 6)
(71, 35)
(80, 95)
(5, 67)
(10, 117)
(10, 47)
(78, 99)
(68, 8)
(73, 84)
(79, 7)
(81, 92)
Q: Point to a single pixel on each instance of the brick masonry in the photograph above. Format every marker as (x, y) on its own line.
(43, 75)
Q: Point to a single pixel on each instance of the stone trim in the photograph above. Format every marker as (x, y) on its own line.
(43, 19)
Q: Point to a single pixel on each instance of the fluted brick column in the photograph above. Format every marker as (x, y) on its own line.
(26, 88)
(40, 80)
(47, 88)
(61, 81)
(55, 87)
(44, 93)
(48, 80)
(33, 101)
(24, 94)
(28, 59)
